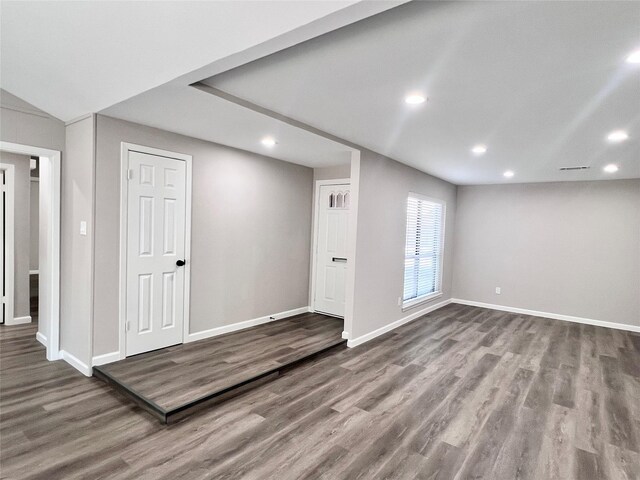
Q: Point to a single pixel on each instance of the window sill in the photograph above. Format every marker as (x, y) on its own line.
(408, 305)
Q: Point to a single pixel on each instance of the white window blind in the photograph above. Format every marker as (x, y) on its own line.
(424, 248)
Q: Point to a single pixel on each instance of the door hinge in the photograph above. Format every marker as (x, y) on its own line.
(128, 326)
(130, 174)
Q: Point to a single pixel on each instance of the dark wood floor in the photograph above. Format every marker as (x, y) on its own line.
(176, 377)
(462, 393)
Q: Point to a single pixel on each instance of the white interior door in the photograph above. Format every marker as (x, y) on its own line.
(331, 255)
(156, 212)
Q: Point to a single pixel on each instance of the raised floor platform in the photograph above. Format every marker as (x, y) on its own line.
(177, 381)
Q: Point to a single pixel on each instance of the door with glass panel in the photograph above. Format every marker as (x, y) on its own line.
(331, 256)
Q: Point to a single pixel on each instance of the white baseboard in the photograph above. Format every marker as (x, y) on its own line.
(18, 320)
(213, 332)
(76, 363)
(41, 338)
(105, 358)
(387, 328)
(555, 316)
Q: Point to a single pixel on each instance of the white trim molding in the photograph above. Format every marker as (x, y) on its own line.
(345, 335)
(42, 338)
(76, 363)
(18, 320)
(416, 302)
(392, 326)
(34, 272)
(554, 316)
(105, 358)
(214, 332)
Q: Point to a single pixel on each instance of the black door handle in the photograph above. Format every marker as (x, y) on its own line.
(338, 259)
(180, 263)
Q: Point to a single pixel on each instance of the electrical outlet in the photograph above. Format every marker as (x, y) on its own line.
(83, 228)
(399, 301)
(498, 290)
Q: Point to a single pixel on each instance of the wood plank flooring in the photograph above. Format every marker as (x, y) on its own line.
(462, 393)
(179, 377)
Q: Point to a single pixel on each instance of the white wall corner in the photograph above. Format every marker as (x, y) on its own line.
(392, 326)
(18, 320)
(554, 316)
(214, 332)
(76, 363)
(105, 358)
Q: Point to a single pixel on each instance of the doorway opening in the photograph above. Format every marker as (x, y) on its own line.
(34, 234)
(47, 247)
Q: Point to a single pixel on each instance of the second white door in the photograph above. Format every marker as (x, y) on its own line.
(156, 212)
(334, 202)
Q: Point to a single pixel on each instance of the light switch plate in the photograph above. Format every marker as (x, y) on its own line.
(83, 228)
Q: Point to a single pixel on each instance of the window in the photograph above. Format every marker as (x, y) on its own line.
(423, 250)
(339, 200)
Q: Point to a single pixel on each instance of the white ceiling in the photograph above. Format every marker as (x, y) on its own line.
(73, 58)
(540, 83)
(177, 107)
(200, 115)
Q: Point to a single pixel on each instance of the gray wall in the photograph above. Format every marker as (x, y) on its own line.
(21, 122)
(76, 255)
(251, 225)
(25, 124)
(34, 228)
(383, 190)
(567, 248)
(21, 232)
(331, 173)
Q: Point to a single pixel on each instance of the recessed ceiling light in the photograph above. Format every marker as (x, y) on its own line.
(268, 141)
(611, 168)
(617, 136)
(634, 57)
(479, 149)
(415, 99)
(509, 173)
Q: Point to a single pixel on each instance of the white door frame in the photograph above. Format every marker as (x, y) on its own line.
(49, 240)
(124, 195)
(9, 267)
(316, 224)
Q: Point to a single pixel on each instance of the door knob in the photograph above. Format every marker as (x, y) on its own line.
(180, 263)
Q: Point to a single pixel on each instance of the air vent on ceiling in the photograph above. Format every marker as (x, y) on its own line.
(580, 167)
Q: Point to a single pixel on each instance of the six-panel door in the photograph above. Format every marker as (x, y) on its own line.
(156, 209)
